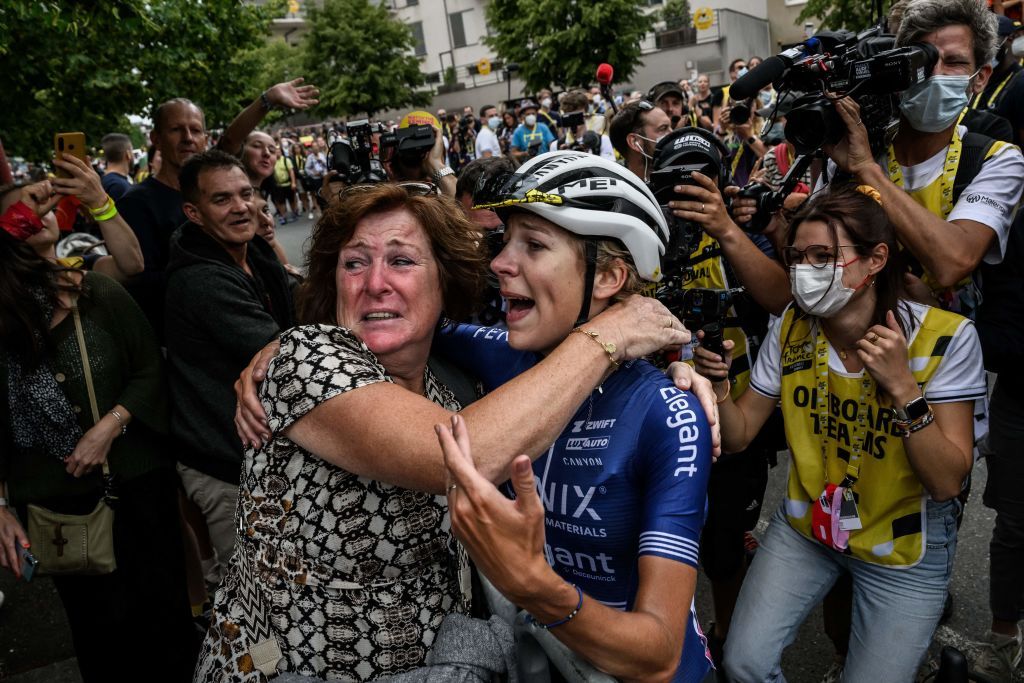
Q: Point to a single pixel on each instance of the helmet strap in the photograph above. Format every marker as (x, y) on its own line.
(590, 256)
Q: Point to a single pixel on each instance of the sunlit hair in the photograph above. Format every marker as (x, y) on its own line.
(922, 17)
(461, 262)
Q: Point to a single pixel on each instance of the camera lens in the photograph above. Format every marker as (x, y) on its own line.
(809, 125)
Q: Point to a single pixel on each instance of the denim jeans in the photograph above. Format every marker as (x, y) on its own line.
(895, 611)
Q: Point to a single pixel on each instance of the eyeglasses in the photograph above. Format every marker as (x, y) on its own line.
(818, 255)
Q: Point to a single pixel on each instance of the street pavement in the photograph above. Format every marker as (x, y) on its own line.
(35, 643)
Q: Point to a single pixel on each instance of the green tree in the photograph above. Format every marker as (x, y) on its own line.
(361, 58)
(855, 15)
(676, 14)
(86, 66)
(561, 42)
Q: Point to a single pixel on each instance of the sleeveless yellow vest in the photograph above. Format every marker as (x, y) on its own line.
(890, 498)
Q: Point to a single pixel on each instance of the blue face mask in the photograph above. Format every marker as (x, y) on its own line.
(935, 103)
(742, 71)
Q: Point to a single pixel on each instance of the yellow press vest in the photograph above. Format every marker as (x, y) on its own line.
(890, 498)
(708, 271)
(937, 197)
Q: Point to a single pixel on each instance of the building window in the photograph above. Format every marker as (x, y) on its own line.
(458, 29)
(410, 3)
(417, 36)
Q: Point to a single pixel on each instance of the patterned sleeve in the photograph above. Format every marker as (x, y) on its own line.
(316, 363)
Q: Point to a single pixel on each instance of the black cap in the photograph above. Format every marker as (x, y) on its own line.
(1007, 26)
(665, 88)
(527, 104)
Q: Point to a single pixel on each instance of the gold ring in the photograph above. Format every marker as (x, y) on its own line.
(451, 487)
(872, 338)
(702, 207)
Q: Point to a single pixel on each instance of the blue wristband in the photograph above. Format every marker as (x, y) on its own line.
(548, 627)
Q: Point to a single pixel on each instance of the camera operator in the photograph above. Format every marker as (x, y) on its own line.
(949, 234)
(744, 144)
(579, 130)
(422, 166)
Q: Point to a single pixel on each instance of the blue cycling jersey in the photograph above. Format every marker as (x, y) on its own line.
(626, 478)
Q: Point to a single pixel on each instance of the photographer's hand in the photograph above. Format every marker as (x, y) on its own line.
(704, 206)
(744, 208)
(853, 153)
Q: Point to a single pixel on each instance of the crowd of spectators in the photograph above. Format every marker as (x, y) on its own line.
(541, 355)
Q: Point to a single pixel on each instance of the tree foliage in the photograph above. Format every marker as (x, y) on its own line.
(855, 15)
(361, 58)
(72, 65)
(676, 14)
(561, 42)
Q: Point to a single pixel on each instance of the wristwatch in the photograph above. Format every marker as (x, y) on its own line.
(914, 410)
(441, 173)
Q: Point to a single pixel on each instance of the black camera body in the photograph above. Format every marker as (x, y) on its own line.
(354, 158)
(411, 144)
(863, 66)
(703, 309)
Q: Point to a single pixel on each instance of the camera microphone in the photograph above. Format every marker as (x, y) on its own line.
(605, 74)
(765, 73)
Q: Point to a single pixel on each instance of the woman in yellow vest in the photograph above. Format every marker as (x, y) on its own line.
(877, 393)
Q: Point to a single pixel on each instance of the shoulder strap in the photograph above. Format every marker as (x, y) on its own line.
(87, 370)
(976, 148)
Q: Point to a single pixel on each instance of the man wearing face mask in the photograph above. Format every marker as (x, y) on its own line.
(531, 137)
(1008, 102)
(487, 144)
(949, 216)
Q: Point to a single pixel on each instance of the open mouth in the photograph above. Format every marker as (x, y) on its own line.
(380, 315)
(518, 306)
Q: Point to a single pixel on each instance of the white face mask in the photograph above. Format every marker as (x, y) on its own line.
(1017, 47)
(531, 120)
(935, 103)
(819, 291)
(597, 100)
(640, 149)
(546, 103)
(494, 122)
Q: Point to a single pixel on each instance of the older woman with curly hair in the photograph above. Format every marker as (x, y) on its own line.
(345, 566)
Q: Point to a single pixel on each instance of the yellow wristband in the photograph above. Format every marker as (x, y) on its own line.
(106, 215)
(104, 208)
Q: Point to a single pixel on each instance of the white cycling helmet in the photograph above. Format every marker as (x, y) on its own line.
(590, 197)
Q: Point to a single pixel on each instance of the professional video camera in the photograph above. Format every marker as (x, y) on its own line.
(409, 145)
(354, 158)
(836, 64)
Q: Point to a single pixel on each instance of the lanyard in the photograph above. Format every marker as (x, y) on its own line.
(949, 167)
(858, 432)
(995, 93)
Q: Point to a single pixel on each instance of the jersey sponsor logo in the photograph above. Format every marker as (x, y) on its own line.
(569, 500)
(491, 333)
(974, 198)
(590, 425)
(576, 529)
(581, 564)
(684, 419)
(588, 444)
(583, 462)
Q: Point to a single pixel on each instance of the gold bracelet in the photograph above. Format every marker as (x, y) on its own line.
(720, 401)
(609, 347)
